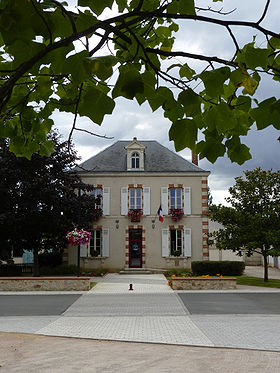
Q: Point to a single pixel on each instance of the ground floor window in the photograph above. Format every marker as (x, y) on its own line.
(176, 242)
(95, 242)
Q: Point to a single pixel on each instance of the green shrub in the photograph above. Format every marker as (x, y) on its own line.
(94, 271)
(212, 268)
(50, 258)
(177, 271)
(62, 269)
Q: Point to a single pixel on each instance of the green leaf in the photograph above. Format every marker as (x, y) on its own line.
(183, 133)
(255, 57)
(95, 104)
(214, 81)
(122, 4)
(191, 102)
(128, 84)
(186, 71)
(162, 97)
(211, 149)
(97, 6)
(181, 7)
(102, 67)
(267, 113)
(173, 111)
(47, 148)
(78, 66)
(237, 152)
(274, 42)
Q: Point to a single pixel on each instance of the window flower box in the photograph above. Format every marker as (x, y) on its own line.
(135, 215)
(176, 214)
(97, 213)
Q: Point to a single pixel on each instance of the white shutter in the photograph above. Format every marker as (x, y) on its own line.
(164, 242)
(187, 242)
(187, 200)
(105, 242)
(106, 201)
(146, 201)
(164, 200)
(124, 201)
(84, 250)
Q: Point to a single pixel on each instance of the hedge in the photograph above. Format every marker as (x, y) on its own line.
(212, 268)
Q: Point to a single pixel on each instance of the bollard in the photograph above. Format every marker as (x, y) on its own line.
(130, 287)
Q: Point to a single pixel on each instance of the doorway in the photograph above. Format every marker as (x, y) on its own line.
(135, 248)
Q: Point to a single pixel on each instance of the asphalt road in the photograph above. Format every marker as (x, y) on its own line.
(35, 305)
(196, 304)
(241, 303)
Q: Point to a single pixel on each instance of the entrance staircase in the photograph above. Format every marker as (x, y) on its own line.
(140, 271)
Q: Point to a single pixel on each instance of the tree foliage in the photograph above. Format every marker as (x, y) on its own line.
(252, 224)
(39, 200)
(53, 58)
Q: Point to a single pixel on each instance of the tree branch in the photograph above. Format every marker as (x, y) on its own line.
(94, 134)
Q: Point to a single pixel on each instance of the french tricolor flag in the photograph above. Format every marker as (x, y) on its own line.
(160, 215)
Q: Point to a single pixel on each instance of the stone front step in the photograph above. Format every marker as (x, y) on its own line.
(138, 271)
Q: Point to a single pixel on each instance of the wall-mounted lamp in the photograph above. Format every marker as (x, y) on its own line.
(117, 224)
(153, 223)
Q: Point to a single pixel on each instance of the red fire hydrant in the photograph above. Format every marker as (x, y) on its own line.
(130, 287)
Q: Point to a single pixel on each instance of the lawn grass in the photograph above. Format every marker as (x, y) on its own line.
(92, 284)
(257, 281)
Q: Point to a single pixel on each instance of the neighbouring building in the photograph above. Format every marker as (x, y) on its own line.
(136, 178)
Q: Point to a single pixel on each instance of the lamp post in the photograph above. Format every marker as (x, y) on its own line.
(79, 222)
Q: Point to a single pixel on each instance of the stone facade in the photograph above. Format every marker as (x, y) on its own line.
(44, 284)
(203, 283)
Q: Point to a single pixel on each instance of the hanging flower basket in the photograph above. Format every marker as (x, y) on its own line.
(176, 214)
(97, 213)
(77, 237)
(135, 214)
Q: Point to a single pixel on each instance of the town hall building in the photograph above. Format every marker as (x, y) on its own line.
(137, 180)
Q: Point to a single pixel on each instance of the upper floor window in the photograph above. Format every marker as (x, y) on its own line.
(135, 161)
(97, 194)
(175, 195)
(135, 198)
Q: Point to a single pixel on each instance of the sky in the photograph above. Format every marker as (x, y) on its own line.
(131, 120)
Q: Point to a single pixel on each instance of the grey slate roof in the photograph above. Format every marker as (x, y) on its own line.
(157, 159)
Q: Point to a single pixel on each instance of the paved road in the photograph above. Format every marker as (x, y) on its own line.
(35, 305)
(237, 303)
(140, 304)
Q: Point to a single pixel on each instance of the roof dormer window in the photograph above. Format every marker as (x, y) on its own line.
(135, 161)
(135, 156)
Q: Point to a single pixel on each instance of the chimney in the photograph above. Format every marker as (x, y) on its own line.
(194, 158)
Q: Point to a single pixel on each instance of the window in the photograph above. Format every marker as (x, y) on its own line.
(95, 243)
(97, 193)
(135, 161)
(135, 198)
(176, 242)
(175, 195)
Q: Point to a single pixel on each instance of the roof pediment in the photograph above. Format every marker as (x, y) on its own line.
(135, 145)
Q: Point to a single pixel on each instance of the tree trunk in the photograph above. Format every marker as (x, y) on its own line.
(265, 263)
(36, 263)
